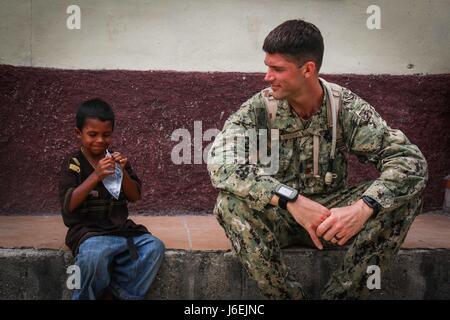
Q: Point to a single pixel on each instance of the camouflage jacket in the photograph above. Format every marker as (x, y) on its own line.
(402, 166)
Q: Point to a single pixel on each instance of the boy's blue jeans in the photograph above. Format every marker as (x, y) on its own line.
(105, 261)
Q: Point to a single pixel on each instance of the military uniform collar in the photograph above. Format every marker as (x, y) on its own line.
(287, 119)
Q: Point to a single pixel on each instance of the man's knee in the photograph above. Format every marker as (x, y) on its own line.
(415, 204)
(230, 204)
(411, 208)
(234, 215)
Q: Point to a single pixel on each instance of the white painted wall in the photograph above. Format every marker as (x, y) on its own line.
(223, 35)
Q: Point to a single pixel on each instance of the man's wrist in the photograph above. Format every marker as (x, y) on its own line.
(366, 209)
(285, 195)
(274, 200)
(282, 203)
(371, 204)
(290, 204)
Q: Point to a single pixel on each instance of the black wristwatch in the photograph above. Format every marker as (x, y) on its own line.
(285, 194)
(372, 203)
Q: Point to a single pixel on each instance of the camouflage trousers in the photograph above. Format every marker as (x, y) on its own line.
(258, 237)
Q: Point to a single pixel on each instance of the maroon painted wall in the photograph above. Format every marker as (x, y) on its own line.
(37, 111)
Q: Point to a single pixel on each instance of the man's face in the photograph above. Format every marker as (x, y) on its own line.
(95, 136)
(285, 77)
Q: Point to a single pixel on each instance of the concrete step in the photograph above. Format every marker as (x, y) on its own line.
(199, 264)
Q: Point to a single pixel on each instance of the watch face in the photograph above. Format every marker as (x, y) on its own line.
(288, 193)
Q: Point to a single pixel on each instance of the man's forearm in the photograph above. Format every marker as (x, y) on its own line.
(364, 208)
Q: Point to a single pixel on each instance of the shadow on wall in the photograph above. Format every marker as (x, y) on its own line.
(38, 108)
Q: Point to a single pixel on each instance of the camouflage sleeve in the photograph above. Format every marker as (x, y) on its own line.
(402, 166)
(244, 179)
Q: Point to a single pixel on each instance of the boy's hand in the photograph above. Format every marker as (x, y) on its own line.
(118, 157)
(104, 167)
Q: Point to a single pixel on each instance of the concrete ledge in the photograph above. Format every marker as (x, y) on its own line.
(41, 274)
(199, 264)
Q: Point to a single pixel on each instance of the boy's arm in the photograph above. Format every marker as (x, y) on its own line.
(130, 188)
(80, 193)
(131, 185)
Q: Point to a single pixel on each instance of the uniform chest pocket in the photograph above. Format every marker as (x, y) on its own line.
(286, 159)
(310, 182)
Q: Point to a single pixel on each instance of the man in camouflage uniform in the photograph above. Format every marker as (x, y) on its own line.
(373, 218)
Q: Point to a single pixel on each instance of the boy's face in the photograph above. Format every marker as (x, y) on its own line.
(96, 136)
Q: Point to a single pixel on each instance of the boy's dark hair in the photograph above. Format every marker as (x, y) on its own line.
(297, 39)
(94, 109)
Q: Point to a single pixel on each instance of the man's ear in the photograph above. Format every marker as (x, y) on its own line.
(310, 69)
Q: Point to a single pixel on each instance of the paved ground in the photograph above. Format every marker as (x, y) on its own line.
(429, 231)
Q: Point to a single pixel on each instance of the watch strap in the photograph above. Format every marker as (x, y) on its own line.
(372, 203)
(282, 203)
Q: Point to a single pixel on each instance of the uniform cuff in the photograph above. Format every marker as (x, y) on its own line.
(381, 194)
(262, 192)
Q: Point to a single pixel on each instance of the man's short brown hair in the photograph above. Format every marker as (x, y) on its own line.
(297, 39)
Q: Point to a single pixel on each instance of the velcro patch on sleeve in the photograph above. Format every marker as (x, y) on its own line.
(74, 167)
(76, 161)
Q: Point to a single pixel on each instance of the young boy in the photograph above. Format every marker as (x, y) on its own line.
(116, 256)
